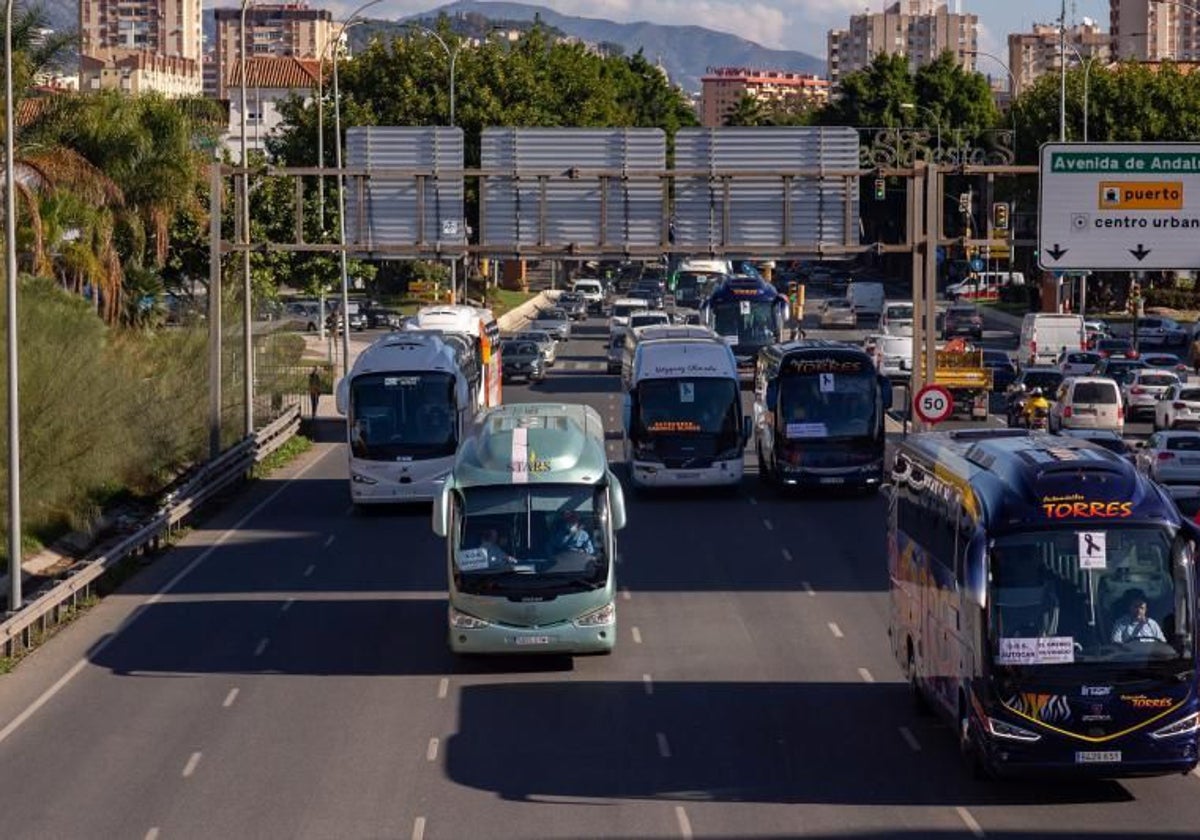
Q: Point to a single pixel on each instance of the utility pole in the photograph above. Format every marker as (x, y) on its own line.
(1062, 73)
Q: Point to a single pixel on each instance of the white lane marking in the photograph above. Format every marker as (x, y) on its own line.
(625, 596)
(808, 589)
(648, 684)
(152, 834)
(312, 567)
(47, 695)
(787, 555)
(230, 697)
(866, 675)
(418, 829)
(768, 525)
(685, 825)
(664, 748)
(287, 605)
(835, 630)
(1196, 772)
(752, 500)
(192, 763)
(262, 646)
(966, 817)
(910, 739)
(349, 511)
(329, 540)
(637, 636)
(443, 687)
(432, 750)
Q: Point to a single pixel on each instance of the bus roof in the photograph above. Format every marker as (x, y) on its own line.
(692, 356)
(1014, 479)
(743, 287)
(528, 443)
(406, 351)
(454, 318)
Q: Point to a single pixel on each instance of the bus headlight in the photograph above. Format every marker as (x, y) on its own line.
(462, 621)
(359, 478)
(1183, 726)
(602, 617)
(1010, 732)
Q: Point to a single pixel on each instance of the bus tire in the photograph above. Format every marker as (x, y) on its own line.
(968, 749)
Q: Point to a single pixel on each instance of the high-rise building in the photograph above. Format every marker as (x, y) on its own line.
(140, 45)
(1144, 30)
(920, 30)
(1032, 54)
(286, 30)
(723, 87)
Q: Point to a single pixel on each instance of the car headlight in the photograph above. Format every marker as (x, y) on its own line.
(602, 617)
(462, 621)
(359, 478)
(1011, 732)
(1184, 726)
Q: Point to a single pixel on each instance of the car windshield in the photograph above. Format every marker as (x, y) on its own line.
(1158, 379)
(402, 415)
(536, 337)
(622, 310)
(519, 348)
(636, 321)
(890, 346)
(1093, 393)
(829, 406)
(1088, 359)
(837, 303)
(1072, 596)
(546, 540)
(1047, 380)
(995, 357)
(552, 315)
(1184, 443)
(900, 313)
(1122, 373)
(1190, 394)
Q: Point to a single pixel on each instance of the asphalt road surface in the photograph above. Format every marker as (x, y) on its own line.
(284, 674)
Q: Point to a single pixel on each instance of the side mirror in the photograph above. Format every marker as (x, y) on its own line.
(885, 392)
(772, 395)
(441, 512)
(627, 411)
(747, 428)
(616, 502)
(342, 396)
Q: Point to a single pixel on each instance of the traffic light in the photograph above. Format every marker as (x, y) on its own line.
(880, 189)
(1000, 215)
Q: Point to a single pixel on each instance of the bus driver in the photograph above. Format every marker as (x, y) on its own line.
(1136, 626)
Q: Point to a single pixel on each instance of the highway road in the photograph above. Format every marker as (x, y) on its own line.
(283, 673)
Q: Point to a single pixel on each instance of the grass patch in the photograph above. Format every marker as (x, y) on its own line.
(505, 300)
(294, 447)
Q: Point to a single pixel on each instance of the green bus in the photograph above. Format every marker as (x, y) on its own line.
(530, 513)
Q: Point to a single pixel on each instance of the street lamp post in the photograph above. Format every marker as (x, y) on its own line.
(10, 272)
(1062, 73)
(341, 180)
(452, 59)
(1087, 71)
(247, 291)
(913, 106)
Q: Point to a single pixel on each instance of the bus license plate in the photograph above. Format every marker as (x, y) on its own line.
(1098, 757)
(832, 480)
(534, 640)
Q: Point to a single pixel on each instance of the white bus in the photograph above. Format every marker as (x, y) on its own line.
(683, 411)
(476, 328)
(407, 402)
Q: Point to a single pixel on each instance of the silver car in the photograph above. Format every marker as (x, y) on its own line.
(545, 342)
(615, 352)
(1171, 457)
(554, 321)
(838, 312)
(1144, 388)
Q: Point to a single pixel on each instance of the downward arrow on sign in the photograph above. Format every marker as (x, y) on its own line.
(1141, 252)
(1057, 252)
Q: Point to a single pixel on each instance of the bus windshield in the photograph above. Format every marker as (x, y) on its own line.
(684, 411)
(692, 286)
(402, 415)
(540, 540)
(751, 322)
(829, 406)
(1126, 602)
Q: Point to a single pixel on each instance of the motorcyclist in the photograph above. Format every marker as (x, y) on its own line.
(1036, 408)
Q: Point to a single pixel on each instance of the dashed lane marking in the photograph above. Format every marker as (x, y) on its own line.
(192, 763)
(443, 687)
(311, 568)
(262, 646)
(808, 589)
(787, 555)
(432, 750)
(329, 540)
(965, 816)
(685, 825)
(418, 829)
(866, 675)
(752, 500)
(230, 698)
(152, 834)
(910, 739)
(625, 596)
(287, 605)
(664, 747)
(648, 684)
(835, 630)
(637, 636)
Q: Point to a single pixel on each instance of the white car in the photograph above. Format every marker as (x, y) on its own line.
(1144, 388)
(621, 309)
(545, 342)
(897, 318)
(1078, 362)
(838, 312)
(1179, 406)
(893, 356)
(1171, 457)
(1087, 402)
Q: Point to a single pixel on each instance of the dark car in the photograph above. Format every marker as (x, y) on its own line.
(1004, 372)
(1160, 332)
(649, 292)
(1111, 346)
(962, 319)
(1107, 438)
(1118, 370)
(575, 304)
(522, 360)
(379, 318)
(1046, 378)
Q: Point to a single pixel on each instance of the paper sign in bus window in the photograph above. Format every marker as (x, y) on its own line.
(806, 430)
(1093, 550)
(472, 559)
(687, 392)
(1049, 650)
(744, 306)
(827, 383)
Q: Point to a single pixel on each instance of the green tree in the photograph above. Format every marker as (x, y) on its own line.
(872, 97)
(749, 110)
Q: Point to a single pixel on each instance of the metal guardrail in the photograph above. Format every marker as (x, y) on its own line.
(20, 631)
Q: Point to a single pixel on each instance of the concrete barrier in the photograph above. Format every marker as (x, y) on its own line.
(518, 319)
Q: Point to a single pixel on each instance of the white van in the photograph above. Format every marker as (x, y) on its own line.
(897, 318)
(984, 285)
(1088, 402)
(592, 291)
(867, 297)
(1044, 335)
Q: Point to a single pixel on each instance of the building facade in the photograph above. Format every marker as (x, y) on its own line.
(140, 45)
(286, 30)
(1145, 30)
(1033, 54)
(920, 30)
(723, 87)
(269, 81)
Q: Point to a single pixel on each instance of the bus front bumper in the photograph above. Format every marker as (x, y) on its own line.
(366, 490)
(1128, 758)
(654, 474)
(563, 638)
(867, 475)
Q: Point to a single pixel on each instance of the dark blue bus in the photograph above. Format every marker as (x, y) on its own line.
(749, 313)
(1043, 601)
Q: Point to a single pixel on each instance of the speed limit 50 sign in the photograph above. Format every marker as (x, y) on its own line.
(933, 404)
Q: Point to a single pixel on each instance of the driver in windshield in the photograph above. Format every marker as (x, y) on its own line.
(1137, 626)
(570, 535)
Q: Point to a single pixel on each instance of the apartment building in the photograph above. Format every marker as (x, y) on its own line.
(1032, 54)
(723, 87)
(920, 30)
(140, 45)
(286, 30)
(269, 81)
(1144, 30)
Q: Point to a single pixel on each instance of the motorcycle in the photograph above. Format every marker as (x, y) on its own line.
(1036, 413)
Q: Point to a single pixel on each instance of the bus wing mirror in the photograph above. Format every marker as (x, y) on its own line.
(616, 502)
(975, 574)
(772, 395)
(342, 395)
(747, 428)
(627, 411)
(885, 390)
(441, 512)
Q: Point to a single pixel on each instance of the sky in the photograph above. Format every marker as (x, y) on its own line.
(783, 24)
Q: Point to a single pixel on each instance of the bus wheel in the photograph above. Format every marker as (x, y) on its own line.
(920, 704)
(970, 751)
